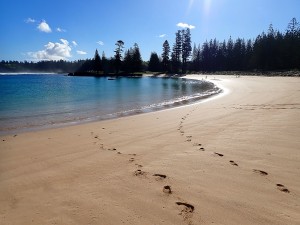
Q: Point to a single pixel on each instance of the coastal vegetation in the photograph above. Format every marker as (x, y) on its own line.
(270, 51)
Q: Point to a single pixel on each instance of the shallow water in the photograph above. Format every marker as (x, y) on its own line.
(33, 101)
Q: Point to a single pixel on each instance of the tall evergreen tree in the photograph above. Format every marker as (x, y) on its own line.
(248, 55)
(176, 53)
(293, 28)
(238, 54)
(118, 55)
(196, 58)
(128, 61)
(292, 40)
(205, 56)
(136, 58)
(97, 62)
(229, 54)
(221, 56)
(166, 56)
(186, 48)
(105, 63)
(154, 63)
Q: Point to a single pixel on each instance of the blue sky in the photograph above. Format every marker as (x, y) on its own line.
(63, 29)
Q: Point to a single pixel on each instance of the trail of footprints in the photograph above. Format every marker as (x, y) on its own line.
(186, 208)
(280, 187)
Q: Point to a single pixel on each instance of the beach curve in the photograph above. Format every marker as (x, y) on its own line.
(233, 160)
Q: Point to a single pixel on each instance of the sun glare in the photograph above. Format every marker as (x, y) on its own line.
(191, 2)
(206, 6)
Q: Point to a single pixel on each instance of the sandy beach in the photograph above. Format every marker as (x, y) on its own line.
(234, 159)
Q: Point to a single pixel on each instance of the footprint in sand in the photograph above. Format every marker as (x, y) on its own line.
(218, 154)
(131, 160)
(197, 144)
(189, 207)
(139, 173)
(187, 211)
(261, 172)
(161, 176)
(233, 163)
(282, 188)
(201, 149)
(167, 189)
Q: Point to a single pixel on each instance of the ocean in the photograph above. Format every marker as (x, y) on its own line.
(37, 101)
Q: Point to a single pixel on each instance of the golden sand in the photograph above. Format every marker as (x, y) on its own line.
(231, 160)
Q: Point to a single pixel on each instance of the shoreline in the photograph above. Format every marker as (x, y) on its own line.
(173, 103)
(231, 160)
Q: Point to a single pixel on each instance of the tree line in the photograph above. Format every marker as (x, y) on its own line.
(60, 66)
(131, 62)
(270, 51)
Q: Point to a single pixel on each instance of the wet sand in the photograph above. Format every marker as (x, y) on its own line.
(234, 159)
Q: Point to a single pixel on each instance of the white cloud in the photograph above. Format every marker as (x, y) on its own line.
(100, 42)
(81, 52)
(44, 27)
(53, 51)
(162, 35)
(185, 25)
(60, 30)
(30, 20)
(64, 41)
(74, 43)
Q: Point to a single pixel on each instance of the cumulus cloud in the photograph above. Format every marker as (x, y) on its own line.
(162, 35)
(81, 52)
(30, 20)
(53, 51)
(60, 30)
(185, 25)
(100, 42)
(44, 27)
(74, 43)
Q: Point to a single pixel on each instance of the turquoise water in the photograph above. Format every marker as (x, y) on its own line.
(30, 101)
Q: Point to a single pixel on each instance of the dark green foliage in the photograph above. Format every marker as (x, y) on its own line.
(97, 62)
(136, 59)
(196, 58)
(176, 53)
(87, 66)
(154, 63)
(60, 66)
(128, 61)
(186, 48)
(269, 51)
(292, 44)
(166, 56)
(118, 55)
(132, 60)
(105, 64)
